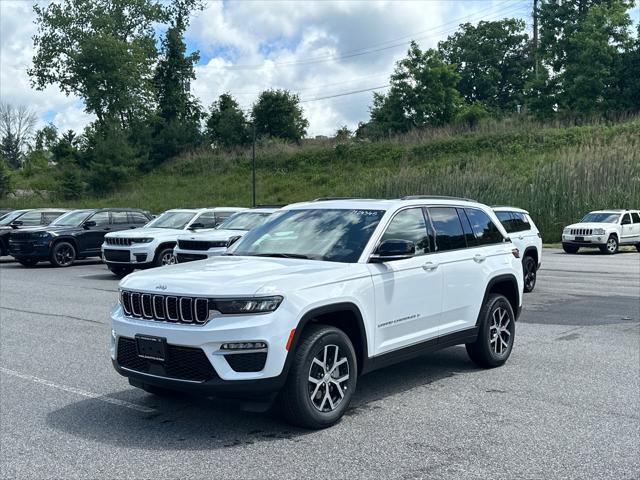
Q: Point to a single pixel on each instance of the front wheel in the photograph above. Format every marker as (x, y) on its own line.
(63, 254)
(529, 268)
(570, 248)
(611, 246)
(119, 271)
(165, 257)
(322, 378)
(496, 333)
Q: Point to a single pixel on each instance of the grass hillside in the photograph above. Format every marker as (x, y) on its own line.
(557, 173)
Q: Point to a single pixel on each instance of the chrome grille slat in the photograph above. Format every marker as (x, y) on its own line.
(167, 308)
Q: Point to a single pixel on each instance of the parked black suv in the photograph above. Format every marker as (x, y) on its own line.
(76, 235)
(18, 219)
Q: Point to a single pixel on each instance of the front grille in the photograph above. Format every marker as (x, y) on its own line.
(200, 244)
(581, 231)
(247, 362)
(181, 363)
(189, 257)
(116, 255)
(123, 242)
(190, 310)
(20, 236)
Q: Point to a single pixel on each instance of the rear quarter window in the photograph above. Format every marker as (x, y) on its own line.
(636, 217)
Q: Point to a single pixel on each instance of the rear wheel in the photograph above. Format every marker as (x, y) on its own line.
(570, 248)
(28, 262)
(120, 272)
(529, 268)
(611, 246)
(496, 333)
(322, 378)
(63, 254)
(165, 257)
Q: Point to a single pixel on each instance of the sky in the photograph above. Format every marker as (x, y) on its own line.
(316, 49)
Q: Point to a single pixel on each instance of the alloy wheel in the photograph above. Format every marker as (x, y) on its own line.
(612, 245)
(499, 333)
(65, 255)
(168, 259)
(328, 378)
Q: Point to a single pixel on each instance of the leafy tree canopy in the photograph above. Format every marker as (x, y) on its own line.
(277, 113)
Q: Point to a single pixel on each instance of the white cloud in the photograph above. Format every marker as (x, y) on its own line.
(309, 47)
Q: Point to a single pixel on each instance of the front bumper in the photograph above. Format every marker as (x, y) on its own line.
(184, 256)
(29, 250)
(585, 241)
(135, 255)
(272, 329)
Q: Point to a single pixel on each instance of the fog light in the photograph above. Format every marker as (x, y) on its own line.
(243, 346)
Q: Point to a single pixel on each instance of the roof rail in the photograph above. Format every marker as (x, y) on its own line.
(436, 197)
(327, 199)
(271, 206)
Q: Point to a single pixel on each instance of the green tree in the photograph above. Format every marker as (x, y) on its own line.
(10, 150)
(277, 113)
(494, 60)
(101, 50)
(70, 186)
(5, 178)
(227, 125)
(423, 93)
(179, 113)
(628, 76)
(343, 134)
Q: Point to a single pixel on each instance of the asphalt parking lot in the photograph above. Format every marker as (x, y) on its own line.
(566, 404)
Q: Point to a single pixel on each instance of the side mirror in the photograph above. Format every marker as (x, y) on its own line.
(393, 250)
(88, 224)
(16, 223)
(233, 240)
(196, 226)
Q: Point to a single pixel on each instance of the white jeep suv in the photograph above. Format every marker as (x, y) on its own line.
(526, 237)
(603, 229)
(152, 245)
(319, 294)
(212, 242)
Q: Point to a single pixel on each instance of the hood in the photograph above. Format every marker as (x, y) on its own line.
(229, 275)
(213, 235)
(592, 225)
(146, 232)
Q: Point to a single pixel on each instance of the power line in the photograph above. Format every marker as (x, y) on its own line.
(344, 94)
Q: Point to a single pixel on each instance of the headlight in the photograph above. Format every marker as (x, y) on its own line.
(141, 240)
(248, 305)
(566, 231)
(598, 231)
(42, 235)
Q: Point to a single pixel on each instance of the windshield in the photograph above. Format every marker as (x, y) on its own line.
(177, 220)
(11, 216)
(71, 219)
(244, 221)
(595, 217)
(337, 235)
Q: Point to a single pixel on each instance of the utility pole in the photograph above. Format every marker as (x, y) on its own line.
(535, 37)
(253, 157)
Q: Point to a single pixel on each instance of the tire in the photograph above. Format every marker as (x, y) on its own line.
(28, 262)
(3, 250)
(486, 352)
(63, 254)
(568, 248)
(120, 272)
(311, 404)
(164, 257)
(529, 270)
(611, 247)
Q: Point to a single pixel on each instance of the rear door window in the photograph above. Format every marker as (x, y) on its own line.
(636, 217)
(448, 228)
(119, 218)
(507, 220)
(485, 230)
(520, 222)
(49, 217)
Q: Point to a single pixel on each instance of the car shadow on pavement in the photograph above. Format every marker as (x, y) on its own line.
(192, 423)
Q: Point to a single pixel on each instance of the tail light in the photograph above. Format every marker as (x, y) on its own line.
(515, 252)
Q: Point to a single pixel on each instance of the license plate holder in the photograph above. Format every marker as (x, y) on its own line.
(579, 239)
(151, 348)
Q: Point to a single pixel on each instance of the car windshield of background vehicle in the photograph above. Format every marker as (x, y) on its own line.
(10, 217)
(243, 221)
(177, 220)
(600, 218)
(335, 235)
(71, 219)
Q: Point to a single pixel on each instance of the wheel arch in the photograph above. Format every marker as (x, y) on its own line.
(66, 238)
(532, 252)
(345, 316)
(163, 245)
(506, 285)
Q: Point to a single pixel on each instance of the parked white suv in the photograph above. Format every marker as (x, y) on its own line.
(152, 245)
(526, 237)
(319, 294)
(212, 242)
(603, 229)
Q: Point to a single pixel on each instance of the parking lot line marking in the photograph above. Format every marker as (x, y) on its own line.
(77, 391)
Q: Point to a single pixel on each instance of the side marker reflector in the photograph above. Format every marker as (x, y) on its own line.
(293, 332)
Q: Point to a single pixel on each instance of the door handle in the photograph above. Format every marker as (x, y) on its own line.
(520, 237)
(429, 266)
(479, 258)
